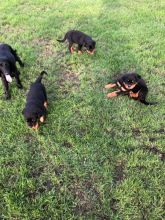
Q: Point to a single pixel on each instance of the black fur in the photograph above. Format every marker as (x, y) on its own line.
(133, 85)
(36, 98)
(8, 59)
(81, 39)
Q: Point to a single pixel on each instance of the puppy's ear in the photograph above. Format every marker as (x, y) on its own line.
(94, 43)
(138, 76)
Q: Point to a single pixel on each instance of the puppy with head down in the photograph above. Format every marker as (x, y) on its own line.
(130, 84)
(8, 68)
(78, 37)
(36, 104)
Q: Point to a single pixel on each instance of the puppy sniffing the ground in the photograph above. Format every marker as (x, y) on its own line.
(81, 39)
(8, 68)
(36, 103)
(130, 84)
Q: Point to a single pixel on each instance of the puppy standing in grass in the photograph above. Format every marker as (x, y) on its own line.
(36, 103)
(130, 84)
(81, 39)
(8, 68)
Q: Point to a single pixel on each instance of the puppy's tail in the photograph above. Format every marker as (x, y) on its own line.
(63, 40)
(148, 103)
(38, 80)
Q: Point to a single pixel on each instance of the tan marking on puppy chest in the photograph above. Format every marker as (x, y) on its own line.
(110, 85)
(42, 119)
(131, 87)
(112, 94)
(46, 104)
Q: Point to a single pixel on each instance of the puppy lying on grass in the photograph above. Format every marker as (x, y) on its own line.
(36, 103)
(81, 39)
(8, 68)
(130, 84)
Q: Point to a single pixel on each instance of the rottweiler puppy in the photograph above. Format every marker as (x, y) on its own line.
(130, 84)
(36, 103)
(8, 68)
(81, 39)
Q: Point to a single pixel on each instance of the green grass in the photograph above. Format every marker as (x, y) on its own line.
(93, 158)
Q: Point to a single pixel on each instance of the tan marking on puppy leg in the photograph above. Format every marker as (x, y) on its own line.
(90, 52)
(35, 127)
(122, 89)
(134, 95)
(112, 94)
(72, 50)
(110, 85)
(79, 52)
(46, 104)
(42, 118)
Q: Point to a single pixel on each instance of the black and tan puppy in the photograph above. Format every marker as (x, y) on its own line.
(8, 69)
(77, 37)
(130, 84)
(36, 103)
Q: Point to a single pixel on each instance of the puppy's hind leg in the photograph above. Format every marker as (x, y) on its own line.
(17, 58)
(18, 81)
(79, 49)
(70, 47)
(113, 94)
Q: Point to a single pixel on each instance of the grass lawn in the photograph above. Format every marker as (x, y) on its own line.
(93, 159)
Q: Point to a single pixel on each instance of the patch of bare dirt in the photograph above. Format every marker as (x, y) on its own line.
(36, 172)
(136, 131)
(119, 174)
(44, 45)
(67, 144)
(154, 150)
(68, 76)
(86, 197)
(59, 170)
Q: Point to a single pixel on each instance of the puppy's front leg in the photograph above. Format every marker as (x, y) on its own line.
(70, 47)
(6, 87)
(79, 49)
(113, 94)
(17, 58)
(110, 85)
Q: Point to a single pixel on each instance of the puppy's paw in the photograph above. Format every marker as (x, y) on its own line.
(42, 119)
(134, 95)
(112, 94)
(71, 50)
(79, 52)
(91, 52)
(46, 105)
(110, 85)
(36, 127)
